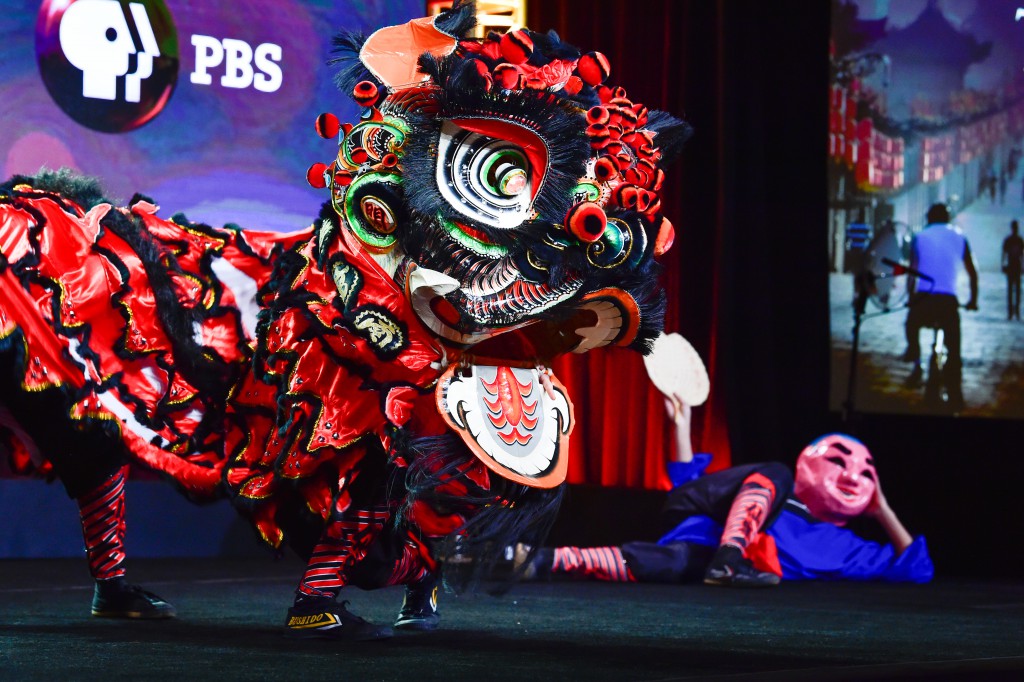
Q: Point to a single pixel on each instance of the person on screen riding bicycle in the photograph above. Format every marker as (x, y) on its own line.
(937, 253)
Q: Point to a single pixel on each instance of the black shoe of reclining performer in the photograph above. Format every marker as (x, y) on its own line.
(419, 609)
(117, 599)
(730, 568)
(326, 618)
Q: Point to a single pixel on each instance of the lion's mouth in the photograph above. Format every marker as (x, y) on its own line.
(484, 294)
(472, 239)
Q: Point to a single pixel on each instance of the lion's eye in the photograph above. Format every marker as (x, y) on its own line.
(505, 173)
(486, 179)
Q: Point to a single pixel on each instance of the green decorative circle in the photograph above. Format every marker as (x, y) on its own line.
(614, 246)
(353, 215)
(586, 191)
(398, 136)
(517, 160)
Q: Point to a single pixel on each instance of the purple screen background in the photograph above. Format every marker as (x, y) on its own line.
(218, 155)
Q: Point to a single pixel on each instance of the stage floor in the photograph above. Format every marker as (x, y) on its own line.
(230, 616)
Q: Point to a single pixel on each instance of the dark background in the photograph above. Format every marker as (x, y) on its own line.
(749, 201)
(748, 286)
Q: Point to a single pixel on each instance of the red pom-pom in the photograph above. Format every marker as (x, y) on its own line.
(315, 175)
(535, 83)
(506, 76)
(516, 47)
(597, 115)
(605, 169)
(327, 126)
(638, 176)
(572, 86)
(615, 148)
(626, 196)
(659, 179)
(593, 68)
(641, 114)
(649, 169)
(599, 135)
(359, 155)
(483, 72)
(666, 236)
(586, 221)
(644, 199)
(628, 117)
(390, 160)
(365, 93)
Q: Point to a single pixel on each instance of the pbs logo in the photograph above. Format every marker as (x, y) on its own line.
(111, 65)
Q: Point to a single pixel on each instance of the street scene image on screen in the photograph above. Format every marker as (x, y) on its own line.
(926, 188)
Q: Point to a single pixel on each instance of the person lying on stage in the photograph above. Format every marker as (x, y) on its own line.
(753, 525)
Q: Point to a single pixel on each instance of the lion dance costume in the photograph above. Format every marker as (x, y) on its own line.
(371, 391)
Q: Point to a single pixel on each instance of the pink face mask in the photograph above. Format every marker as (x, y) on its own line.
(835, 478)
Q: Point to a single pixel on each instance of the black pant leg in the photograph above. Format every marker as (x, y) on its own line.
(673, 563)
(84, 458)
(712, 495)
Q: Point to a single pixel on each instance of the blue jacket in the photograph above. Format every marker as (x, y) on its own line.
(809, 549)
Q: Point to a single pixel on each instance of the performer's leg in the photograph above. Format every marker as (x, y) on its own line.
(90, 465)
(344, 543)
(750, 511)
(912, 329)
(1009, 296)
(712, 495)
(103, 527)
(594, 563)
(674, 562)
(1015, 283)
(953, 371)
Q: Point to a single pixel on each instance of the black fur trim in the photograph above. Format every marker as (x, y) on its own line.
(83, 190)
(347, 45)
(556, 123)
(458, 20)
(495, 518)
(671, 134)
(549, 46)
(197, 363)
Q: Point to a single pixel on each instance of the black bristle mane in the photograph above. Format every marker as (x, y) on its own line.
(347, 45)
(81, 189)
(458, 20)
(671, 134)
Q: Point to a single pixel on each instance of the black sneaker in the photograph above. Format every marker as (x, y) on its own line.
(325, 618)
(731, 569)
(117, 599)
(419, 609)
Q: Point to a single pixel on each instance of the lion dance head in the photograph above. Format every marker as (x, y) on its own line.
(512, 191)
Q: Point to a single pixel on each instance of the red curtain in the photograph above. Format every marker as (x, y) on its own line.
(667, 54)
